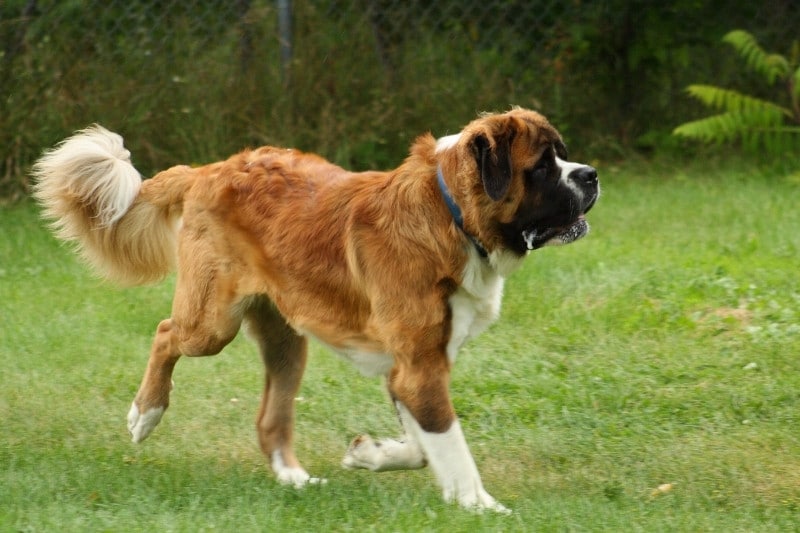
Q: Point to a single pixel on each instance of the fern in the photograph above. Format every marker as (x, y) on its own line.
(755, 122)
(752, 130)
(771, 66)
(736, 102)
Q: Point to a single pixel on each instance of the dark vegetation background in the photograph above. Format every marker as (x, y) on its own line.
(194, 81)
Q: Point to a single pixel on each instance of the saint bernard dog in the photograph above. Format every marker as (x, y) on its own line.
(393, 270)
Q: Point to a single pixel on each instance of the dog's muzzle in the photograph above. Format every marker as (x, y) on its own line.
(586, 184)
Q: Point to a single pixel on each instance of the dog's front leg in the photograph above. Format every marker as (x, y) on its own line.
(384, 454)
(426, 412)
(452, 463)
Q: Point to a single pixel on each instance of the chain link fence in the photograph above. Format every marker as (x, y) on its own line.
(191, 81)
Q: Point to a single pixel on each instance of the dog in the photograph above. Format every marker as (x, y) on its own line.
(393, 270)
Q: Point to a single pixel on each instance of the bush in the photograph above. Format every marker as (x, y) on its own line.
(759, 123)
(191, 82)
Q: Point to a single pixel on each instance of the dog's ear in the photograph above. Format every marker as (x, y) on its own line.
(493, 155)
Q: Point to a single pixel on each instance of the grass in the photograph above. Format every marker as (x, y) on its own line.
(660, 351)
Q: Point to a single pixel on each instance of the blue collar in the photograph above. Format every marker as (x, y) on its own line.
(455, 211)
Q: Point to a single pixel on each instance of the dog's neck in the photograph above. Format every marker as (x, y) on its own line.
(458, 217)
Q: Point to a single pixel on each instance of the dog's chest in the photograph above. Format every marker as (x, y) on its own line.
(471, 314)
(474, 305)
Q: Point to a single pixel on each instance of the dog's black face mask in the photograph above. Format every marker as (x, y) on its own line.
(557, 195)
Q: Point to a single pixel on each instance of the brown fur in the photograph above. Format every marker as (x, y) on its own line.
(291, 244)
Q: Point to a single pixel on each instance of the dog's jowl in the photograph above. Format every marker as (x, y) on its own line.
(393, 270)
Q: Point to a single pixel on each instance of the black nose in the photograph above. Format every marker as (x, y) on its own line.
(585, 174)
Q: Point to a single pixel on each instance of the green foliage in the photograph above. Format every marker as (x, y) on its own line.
(757, 122)
(771, 66)
(191, 82)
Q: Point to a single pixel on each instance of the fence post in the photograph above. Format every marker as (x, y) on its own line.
(285, 38)
(245, 35)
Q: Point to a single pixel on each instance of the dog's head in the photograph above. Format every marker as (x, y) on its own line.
(514, 184)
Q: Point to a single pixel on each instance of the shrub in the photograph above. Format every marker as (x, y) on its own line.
(758, 123)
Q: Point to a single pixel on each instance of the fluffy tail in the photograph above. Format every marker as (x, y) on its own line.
(93, 196)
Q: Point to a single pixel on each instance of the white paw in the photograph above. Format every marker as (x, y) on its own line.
(383, 455)
(360, 453)
(292, 475)
(298, 478)
(140, 425)
(479, 501)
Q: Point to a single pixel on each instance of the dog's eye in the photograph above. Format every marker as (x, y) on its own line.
(538, 173)
(542, 170)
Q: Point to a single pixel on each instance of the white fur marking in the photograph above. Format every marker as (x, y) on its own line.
(141, 425)
(567, 167)
(370, 364)
(383, 455)
(475, 304)
(505, 262)
(443, 143)
(453, 465)
(295, 475)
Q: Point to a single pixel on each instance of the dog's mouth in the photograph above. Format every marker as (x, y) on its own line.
(558, 233)
(537, 237)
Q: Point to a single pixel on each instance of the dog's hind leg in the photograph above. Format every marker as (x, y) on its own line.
(206, 316)
(152, 398)
(284, 354)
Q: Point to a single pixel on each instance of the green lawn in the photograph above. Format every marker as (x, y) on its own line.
(662, 349)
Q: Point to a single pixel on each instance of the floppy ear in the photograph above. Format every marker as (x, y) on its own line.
(494, 162)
